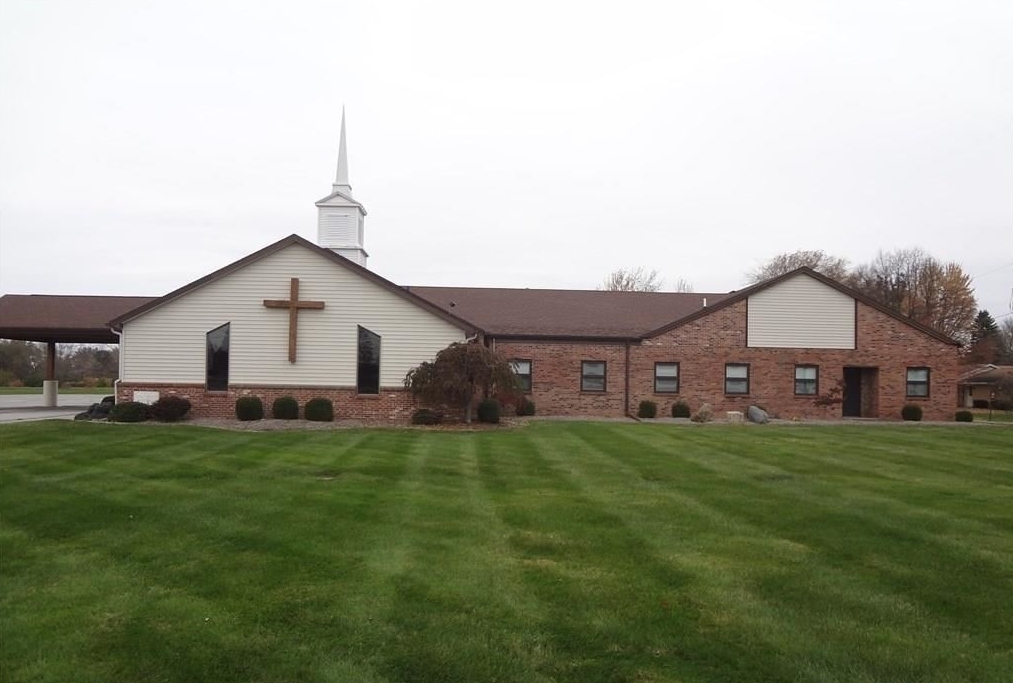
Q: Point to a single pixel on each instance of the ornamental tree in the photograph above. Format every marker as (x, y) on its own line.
(458, 373)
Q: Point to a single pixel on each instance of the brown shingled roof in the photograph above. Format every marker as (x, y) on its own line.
(62, 318)
(565, 313)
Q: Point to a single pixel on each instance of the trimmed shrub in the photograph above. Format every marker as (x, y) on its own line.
(647, 409)
(705, 414)
(425, 416)
(285, 408)
(170, 408)
(964, 416)
(249, 408)
(980, 403)
(129, 411)
(488, 411)
(911, 412)
(681, 409)
(319, 410)
(525, 407)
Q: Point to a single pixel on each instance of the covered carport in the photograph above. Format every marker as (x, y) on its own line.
(62, 319)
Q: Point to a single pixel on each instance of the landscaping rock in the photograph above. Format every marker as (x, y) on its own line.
(757, 415)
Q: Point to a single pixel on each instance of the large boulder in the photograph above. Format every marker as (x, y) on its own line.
(757, 415)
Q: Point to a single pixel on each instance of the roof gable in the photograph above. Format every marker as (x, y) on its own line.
(743, 294)
(296, 240)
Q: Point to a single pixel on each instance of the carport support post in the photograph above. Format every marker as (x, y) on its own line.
(50, 385)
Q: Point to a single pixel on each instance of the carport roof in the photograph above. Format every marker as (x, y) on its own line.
(63, 318)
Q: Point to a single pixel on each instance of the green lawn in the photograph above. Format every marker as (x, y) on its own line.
(28, 391)
(555, 552)
(996, 415)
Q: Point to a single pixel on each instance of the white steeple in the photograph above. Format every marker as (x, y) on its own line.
(341, 219)
(341, 179)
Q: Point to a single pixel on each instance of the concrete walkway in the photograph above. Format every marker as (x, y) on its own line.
(26, 407)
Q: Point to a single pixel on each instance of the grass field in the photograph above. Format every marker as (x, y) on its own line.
(555, 552)
(30, 391)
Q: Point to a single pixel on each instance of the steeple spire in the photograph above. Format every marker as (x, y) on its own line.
(340, 219)
(341, 179)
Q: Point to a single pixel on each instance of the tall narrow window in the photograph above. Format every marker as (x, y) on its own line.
(666, 378)
(806, 380)
(736, 378)
(917, 382)
(592, 375)
(217, 366)
(368, 376)
(522, 368)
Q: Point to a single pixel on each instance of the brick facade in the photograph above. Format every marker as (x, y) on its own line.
(389, 404)
(886, 347)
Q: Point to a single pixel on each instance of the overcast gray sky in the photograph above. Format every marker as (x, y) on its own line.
(520, 144)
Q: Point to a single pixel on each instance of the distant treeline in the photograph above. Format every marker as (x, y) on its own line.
(24, 364)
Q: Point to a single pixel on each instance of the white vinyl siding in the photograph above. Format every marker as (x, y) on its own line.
(801, 312)
(167, 344)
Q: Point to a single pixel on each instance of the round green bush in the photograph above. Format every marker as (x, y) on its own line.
(319, 410)
(911, 412)
(425, 416)
(249, 408)
(525, 407)
(170, 408)
(129, 411)
(964, 416)
(488, 411)
(285, 408)
(647, 409)
(681, 409)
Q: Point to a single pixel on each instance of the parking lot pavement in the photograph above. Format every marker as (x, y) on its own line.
(22, 408)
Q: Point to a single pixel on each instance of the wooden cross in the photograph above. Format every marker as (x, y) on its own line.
(293, 305)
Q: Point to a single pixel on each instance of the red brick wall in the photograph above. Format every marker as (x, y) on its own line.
(390, 404)
(555, 376)
(702, 348)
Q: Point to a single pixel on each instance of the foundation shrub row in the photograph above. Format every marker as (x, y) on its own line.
(250, 408)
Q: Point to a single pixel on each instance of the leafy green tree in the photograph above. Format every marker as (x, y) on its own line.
(458, 373)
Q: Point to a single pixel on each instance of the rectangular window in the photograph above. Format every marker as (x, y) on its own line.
(522, 368)
(217, 364)
(736, 378)
(368, 372)
(918, 382)
(806, 380)
(592, 375)
(666, 378)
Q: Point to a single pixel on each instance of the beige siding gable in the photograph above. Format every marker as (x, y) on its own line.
(167, 343)
(801, 312)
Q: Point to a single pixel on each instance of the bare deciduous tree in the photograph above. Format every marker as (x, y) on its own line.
(928, 291)
(682, 285)
(632, 280)
(817, 259)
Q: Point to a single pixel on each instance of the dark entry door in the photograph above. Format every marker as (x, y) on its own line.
(852, 393)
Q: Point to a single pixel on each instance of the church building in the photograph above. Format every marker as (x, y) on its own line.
(307, 320)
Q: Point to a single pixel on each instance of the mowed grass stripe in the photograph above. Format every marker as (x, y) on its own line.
(565, 552)
(756, 492)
